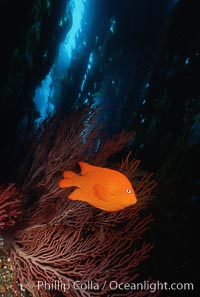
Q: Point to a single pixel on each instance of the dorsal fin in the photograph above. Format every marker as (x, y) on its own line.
(85, 167)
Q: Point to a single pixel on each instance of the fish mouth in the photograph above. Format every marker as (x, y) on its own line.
(125, 204)
(134, 200)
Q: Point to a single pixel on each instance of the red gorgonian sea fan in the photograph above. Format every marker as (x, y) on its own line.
(10, 206)
(70, 246)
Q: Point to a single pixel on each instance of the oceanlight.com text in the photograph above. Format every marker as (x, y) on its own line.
(151, 286)
(114, 285)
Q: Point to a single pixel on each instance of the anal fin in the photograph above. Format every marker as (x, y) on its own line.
(76, 195)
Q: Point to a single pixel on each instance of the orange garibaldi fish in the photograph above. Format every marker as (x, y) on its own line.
(103, 188)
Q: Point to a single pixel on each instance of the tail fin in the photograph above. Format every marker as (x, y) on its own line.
(70, 180)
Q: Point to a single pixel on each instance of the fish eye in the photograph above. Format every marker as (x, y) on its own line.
(128, 191)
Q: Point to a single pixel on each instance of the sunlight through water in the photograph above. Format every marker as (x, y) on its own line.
(44, 91)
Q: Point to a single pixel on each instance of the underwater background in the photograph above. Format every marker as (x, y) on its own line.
(98, 79)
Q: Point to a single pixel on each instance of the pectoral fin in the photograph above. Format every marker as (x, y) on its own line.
(100, 192)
